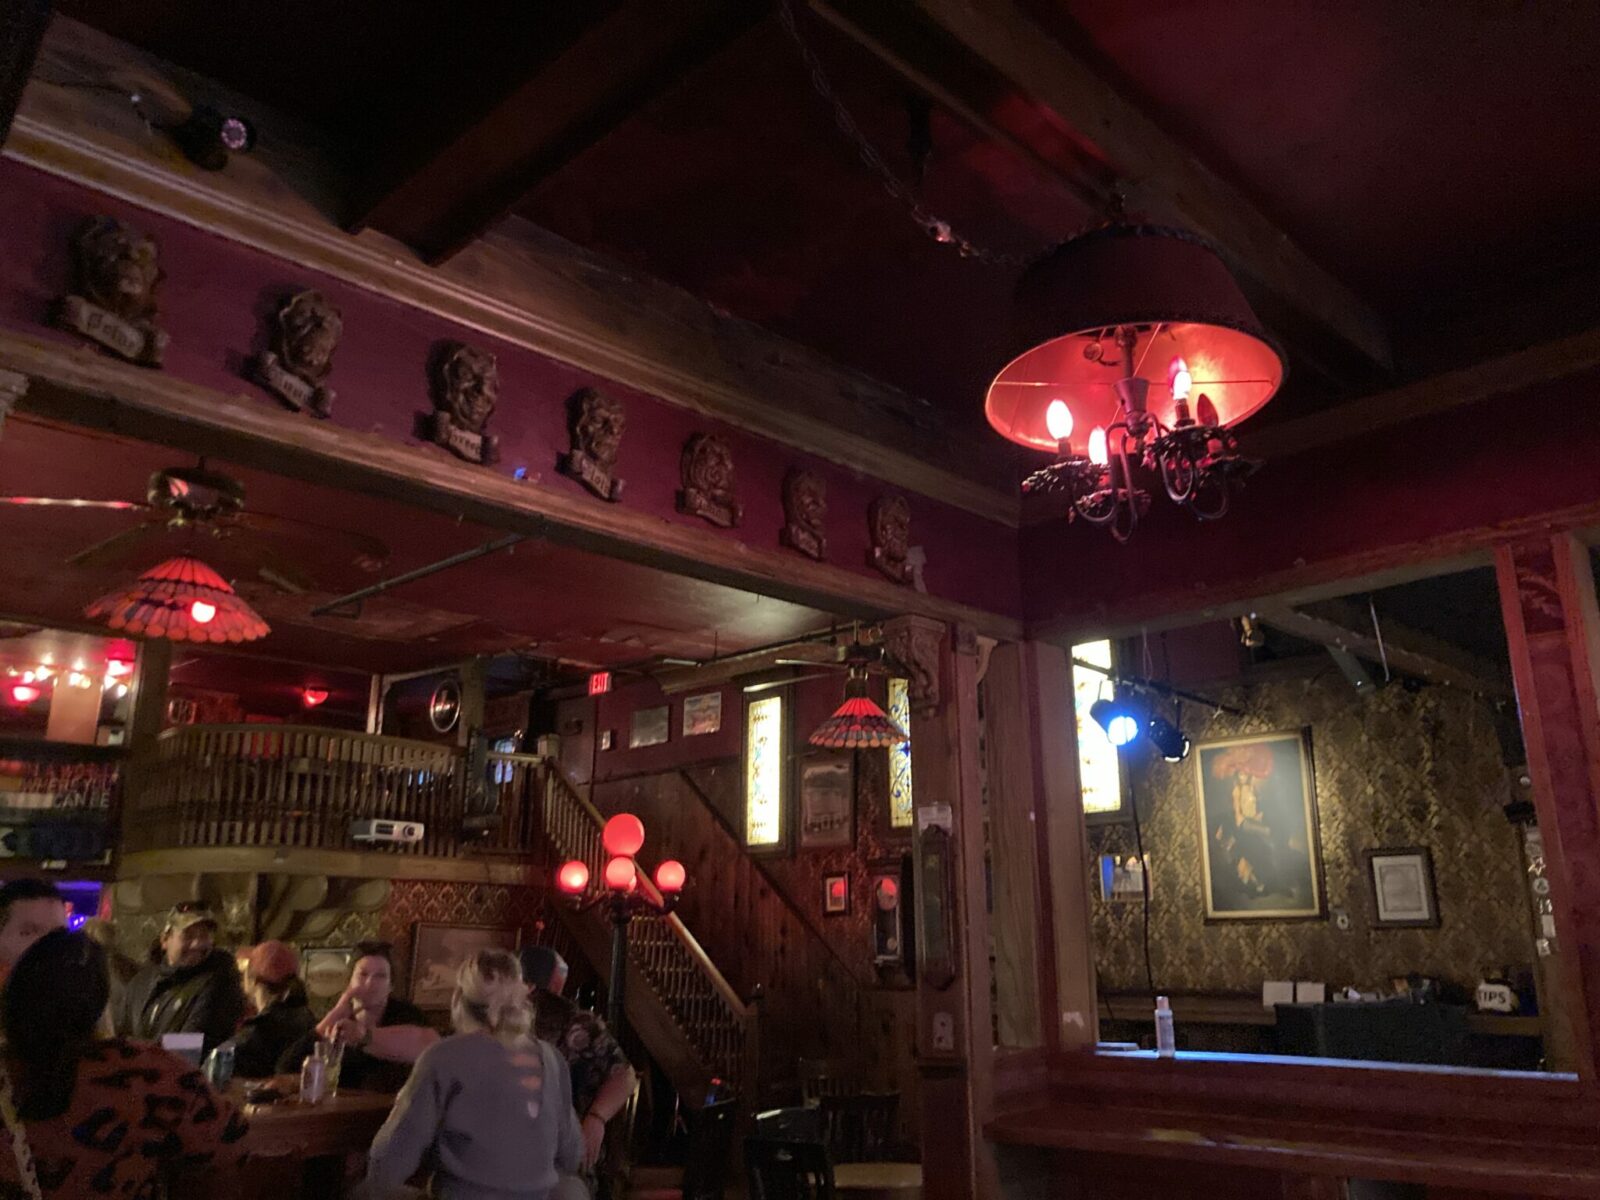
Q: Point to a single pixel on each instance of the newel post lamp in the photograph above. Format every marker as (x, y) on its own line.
(623, 896)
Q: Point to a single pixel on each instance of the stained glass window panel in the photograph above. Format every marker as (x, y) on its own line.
(901, 813)
(1098, 769)
(763, 772)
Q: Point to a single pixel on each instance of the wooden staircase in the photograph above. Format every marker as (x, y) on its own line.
(688, 1015)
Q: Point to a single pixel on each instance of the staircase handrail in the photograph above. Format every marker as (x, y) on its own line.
(696, 951)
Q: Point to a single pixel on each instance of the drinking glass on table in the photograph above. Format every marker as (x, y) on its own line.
(332, 1055)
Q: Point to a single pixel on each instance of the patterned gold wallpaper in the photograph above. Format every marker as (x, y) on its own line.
(1395, 768)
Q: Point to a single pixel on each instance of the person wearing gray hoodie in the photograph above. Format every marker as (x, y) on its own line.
(490, 1108)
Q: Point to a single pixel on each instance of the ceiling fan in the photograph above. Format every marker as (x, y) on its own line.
(863, 655)
(194, 498)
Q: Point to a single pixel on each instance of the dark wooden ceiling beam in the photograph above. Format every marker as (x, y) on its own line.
(608, 72)
(1341, 625)
(1096, 133)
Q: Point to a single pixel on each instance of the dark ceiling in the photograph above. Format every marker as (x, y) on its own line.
(1436, 158)
(540, 600)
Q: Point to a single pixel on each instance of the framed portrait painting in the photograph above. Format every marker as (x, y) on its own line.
(1256, 803)
(439, 951)
(827, 800)
(1403, 892)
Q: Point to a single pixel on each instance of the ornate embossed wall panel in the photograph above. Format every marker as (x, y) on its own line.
(1397, 768)
(413, 900)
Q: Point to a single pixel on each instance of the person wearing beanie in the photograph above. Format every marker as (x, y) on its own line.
(283, 1016)
(190, 987)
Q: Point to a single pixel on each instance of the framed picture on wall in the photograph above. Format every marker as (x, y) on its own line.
(702, 714)
(440, 950)
(827, 800)
(1403, 892)
(649, 727)
(835, 895)
(1256, 803)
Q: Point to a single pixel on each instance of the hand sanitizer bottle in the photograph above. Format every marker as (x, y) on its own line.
(1166, 1040)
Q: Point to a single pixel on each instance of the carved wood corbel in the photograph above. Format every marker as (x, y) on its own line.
(914, 646)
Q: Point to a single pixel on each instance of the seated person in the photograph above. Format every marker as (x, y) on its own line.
(190, 987)
(29, 909)
(272, 983)
(95, 1116)
(382, 1034)
(490, 1107)
(602, 1079)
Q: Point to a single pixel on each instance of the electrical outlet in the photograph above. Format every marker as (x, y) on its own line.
(944, 1032)
(1341, 919)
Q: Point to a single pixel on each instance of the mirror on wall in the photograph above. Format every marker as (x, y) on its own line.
(1322, 845)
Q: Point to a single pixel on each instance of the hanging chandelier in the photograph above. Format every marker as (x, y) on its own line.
(1142, 355)
(858, 723)
(182, 599)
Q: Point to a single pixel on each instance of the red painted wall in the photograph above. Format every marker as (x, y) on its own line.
(1424, 489)
(217, 295)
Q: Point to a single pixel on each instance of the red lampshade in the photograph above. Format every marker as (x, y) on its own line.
(1168, 283)
(24, 693)
(858, 723)
(573, 876)
(670, 876)
(621, 874)
(182, 599)
(623, 835)
(311, 697)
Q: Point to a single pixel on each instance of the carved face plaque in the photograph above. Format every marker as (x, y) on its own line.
(708, 481)
(305, 333)
(597, 425)
(890, 523)
(805, 511)
(466, 389)
(113, 301)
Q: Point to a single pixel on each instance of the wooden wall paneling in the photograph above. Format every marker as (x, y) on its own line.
(1064, 839)
(1548, 598)
(1009, 753)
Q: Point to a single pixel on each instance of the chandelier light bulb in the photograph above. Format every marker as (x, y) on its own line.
(201, 613)
(1098, 453)
(1058, 420)
(1181, 380)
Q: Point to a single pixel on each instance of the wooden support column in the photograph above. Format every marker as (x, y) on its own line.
(473, 674)
(1009, 753)
(954, 1035)
(1064, 846)
(1547, 595)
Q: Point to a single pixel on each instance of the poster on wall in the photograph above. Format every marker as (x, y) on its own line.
(1258, 827)
(1403, 893)
(827, 800)
(702, 714)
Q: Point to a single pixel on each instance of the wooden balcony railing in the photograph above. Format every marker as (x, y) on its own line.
(718, 1025)
(286, 785)
(301, 787)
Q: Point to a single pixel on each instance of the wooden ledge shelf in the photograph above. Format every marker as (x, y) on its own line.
(1361, 1153)
(347, 864)
(1219, 1009)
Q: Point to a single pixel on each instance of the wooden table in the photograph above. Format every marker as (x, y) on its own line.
(294, 1149)
(879, 1180)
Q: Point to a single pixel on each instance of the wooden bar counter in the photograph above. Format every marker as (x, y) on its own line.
(293, 1148)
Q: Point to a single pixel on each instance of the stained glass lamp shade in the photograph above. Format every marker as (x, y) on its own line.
(858, 723)
(181, 599)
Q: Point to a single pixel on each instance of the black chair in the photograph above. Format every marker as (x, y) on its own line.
(788, 1170)
(789, 1125)
(705, 1171)
(861, 1128)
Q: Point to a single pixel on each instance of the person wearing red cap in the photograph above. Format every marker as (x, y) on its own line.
(283, 1017)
